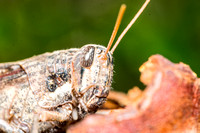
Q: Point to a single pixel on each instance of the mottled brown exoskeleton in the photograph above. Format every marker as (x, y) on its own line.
(44, 93)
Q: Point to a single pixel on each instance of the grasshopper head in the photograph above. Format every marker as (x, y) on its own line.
(92, 75)
(92, 67)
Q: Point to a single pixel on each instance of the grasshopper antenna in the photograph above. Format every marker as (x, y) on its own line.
(117, 24)
(129, 25)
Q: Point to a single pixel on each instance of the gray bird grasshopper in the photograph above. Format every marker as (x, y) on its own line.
(46, 92)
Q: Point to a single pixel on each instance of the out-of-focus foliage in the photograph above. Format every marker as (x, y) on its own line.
(167, 27)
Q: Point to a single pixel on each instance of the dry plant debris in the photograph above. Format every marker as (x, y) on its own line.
(170, 103)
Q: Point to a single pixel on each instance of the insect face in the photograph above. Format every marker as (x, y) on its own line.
(92, 74)
(92, 68)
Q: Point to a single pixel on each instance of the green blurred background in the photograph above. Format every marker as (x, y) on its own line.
(167, 27)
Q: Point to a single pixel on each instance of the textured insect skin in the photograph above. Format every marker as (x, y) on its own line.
(45, 92)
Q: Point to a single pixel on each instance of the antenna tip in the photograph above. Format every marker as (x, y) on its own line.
(123, 6)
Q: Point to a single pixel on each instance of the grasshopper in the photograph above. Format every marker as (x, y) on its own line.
(44, 93)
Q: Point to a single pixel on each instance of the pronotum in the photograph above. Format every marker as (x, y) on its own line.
(46, 92)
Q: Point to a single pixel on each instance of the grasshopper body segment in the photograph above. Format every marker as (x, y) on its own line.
(53, 88)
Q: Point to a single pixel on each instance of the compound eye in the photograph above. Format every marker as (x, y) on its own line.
(88, 56)
(98, 51)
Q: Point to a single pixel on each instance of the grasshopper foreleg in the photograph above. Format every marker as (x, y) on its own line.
(60, 114)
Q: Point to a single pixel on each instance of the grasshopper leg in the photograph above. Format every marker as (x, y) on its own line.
(60, 114)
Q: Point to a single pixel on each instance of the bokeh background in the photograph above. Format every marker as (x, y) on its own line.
(167, 27)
